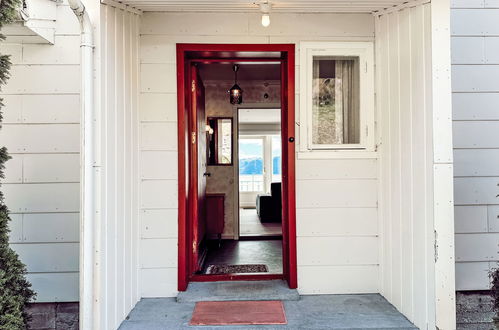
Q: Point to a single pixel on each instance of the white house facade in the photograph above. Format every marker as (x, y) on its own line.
(92, 125)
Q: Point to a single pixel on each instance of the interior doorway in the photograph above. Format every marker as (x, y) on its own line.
(208, 148)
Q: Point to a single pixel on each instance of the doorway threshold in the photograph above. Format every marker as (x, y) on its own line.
(237, 291)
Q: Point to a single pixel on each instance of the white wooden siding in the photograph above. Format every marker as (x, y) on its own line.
(41, 131)
(119, 230)
(413, 168)
(475, 59)
(336, 198)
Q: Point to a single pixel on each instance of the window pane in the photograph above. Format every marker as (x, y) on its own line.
(251, 165)
(335, 93)
(276, 159)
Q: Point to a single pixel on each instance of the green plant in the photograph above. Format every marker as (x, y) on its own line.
(494, 291)
(15, 290)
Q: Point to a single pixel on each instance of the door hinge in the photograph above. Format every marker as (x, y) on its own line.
(193, 137)
(193, 85)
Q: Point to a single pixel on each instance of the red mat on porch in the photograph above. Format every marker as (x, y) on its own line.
(238, 313)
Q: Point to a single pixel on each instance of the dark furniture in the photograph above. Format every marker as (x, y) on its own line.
(269, 206)
(215, 214)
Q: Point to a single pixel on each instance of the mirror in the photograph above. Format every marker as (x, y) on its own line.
(219, 138)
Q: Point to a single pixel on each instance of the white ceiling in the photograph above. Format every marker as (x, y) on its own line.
(290, 6)
(260, 116)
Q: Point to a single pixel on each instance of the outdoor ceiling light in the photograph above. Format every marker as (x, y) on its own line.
(265, 9)
(236, 93)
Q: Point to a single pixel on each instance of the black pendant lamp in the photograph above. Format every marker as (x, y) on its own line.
(236, 93)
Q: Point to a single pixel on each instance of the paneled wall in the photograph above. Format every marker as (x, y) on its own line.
(475, 86)
(406, 161)
(118, 224)
(337, 200)
(41, 131)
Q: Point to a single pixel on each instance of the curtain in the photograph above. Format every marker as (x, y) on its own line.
(347, 100)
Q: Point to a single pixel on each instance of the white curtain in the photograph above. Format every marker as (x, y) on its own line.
(347, 100)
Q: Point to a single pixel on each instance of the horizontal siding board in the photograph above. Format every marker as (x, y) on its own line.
(54, 287)
(493, 216)
(160, 282)
(49, 257)
(16, 228)
(467, 3)
(43, 79)
(14, 170)
(158, 107)
(27, 138)
(468, 50)
(475, 106)
(51, 227)
(476, 162)
(475, 78)
(159, 223)
(470, 219)
(46, 197)
(337, 221)
(492, 49)
(329, 169)
(336, 193)
(474, 22)
(476, 134)
(150, 258)
(158, 78)
(477, 247)
(65, 50)
(51, 168)
(469, 191)
(159, 194)
(158, 165)
(158, 136)
(157, 49)
(338, 279)
(472, 276)
(337, 251)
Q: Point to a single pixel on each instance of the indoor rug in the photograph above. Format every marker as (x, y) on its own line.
(235, 269)
(238, 313)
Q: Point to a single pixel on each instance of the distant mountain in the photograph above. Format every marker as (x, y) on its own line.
(252, 166)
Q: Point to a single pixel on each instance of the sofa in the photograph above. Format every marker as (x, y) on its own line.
(269, 206)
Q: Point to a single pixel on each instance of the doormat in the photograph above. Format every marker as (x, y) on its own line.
(235, 269)
(238, 313)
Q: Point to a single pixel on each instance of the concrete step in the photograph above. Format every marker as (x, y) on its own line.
(237, 291)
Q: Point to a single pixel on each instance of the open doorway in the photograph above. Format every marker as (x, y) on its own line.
(259, 162)
(210, 245)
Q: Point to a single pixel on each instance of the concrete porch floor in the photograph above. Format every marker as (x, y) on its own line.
(362, 311)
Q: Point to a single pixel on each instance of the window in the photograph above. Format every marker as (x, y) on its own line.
(276, 158)
(251, 151)
(337, 103)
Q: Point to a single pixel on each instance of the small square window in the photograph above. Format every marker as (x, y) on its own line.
(336, 96)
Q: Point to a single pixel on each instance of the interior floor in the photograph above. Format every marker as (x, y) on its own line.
(250, 225)
(261, 252)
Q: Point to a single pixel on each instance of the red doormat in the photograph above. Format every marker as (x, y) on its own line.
(238, 313)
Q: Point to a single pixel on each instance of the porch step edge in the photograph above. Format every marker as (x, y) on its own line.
(237, 291)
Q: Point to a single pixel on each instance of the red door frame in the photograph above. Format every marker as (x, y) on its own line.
(200, 52)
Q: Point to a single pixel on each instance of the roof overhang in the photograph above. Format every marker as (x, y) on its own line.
(278, 6)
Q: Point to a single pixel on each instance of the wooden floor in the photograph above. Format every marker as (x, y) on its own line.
(250, 225)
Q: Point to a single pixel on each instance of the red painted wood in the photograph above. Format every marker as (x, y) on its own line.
(286, 54)
(238, 277)
(238, 313)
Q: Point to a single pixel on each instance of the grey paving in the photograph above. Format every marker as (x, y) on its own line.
(237, 290)
(364, 311)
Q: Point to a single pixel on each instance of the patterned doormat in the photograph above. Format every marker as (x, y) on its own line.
(238, 313)
(235, 269)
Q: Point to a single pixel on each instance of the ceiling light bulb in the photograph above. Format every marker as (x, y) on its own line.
(265, 20)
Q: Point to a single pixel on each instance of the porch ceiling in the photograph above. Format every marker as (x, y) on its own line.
(289, 6)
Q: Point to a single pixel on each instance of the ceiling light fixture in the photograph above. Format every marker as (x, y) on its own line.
(236, 93)
(265, 7)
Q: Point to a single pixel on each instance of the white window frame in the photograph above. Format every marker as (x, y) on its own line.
(365, 52)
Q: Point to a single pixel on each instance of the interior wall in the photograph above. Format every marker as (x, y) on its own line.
(41, 131)
(332, 220)
(415, 164)
(118, 232)
(475, 59)
(222, 179)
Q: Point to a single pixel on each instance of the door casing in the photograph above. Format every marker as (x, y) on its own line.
(206, 53)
